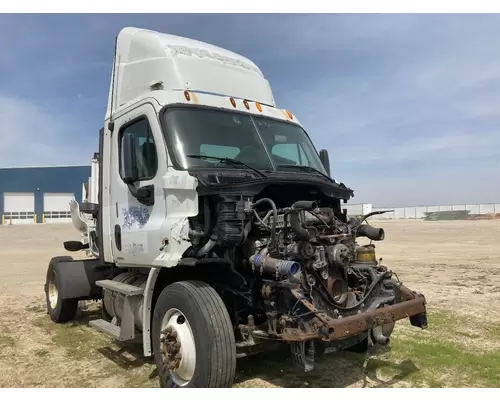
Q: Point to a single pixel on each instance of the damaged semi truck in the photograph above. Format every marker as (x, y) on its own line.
(217, 231)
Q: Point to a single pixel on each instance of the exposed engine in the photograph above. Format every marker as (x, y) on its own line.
(302, 268)
(312, 246)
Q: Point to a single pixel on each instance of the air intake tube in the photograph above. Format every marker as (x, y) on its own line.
(275, 266)
(370, 232)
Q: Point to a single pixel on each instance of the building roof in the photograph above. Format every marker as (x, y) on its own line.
(47, 166)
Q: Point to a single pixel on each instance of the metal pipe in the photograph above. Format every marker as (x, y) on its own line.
(370, 232)
(207, 247)
(273, 246)
(379, 337)
(207, 217)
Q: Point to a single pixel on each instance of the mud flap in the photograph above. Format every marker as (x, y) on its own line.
(303, 355)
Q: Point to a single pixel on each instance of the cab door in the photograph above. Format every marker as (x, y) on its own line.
(138, 162)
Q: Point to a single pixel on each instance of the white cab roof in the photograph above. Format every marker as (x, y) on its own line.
(145, 58)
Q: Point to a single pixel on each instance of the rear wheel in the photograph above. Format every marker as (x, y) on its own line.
(193, 338)
(59, 310)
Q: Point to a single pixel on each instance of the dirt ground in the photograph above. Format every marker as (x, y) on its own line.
(456, 264)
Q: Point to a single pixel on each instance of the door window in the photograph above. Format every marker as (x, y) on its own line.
(147, 159)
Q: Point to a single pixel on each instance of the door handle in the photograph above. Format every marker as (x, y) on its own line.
(118, 237)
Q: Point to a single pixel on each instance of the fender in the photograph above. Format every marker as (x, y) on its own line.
(77, 277)
(146, 310)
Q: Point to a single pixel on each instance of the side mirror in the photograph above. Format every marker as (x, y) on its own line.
(129, 159)
(325, 160)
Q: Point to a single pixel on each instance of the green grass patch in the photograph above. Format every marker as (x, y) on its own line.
(76, 338)
(452, 352)
(81, 343)
(36, 308)
(7, 341)
(42, 353)
(455, 351)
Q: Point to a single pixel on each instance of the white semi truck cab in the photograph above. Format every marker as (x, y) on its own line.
(215, 230)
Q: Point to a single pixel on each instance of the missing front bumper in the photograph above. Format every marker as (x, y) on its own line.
(329, 329)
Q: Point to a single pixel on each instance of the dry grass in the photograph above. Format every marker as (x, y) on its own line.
(454, 263)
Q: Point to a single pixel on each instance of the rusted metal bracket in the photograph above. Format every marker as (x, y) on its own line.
(341, 328)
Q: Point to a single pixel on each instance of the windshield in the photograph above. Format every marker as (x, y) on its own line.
(196, 132)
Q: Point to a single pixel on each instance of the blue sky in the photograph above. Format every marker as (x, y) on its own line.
(407, 105)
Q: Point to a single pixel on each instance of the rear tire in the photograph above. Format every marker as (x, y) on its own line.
(59, 310)
(202, 351)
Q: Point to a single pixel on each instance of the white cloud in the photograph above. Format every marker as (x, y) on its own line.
(407, 105)
(33, 135)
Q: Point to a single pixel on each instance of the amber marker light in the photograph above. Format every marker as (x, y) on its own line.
(259, 107)
(233, 102)
(186, 95)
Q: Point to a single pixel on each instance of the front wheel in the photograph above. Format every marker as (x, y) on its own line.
(193, 338)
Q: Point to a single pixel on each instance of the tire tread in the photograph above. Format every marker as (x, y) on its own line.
(222, 358)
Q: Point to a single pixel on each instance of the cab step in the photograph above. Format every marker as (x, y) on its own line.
(107, 327)
(123, 330)
(123, 288)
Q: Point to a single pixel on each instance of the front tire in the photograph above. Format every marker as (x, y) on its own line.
(59, 310)
(193, 338)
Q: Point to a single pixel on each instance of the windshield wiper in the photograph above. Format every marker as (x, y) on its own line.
(228, 160)
(306, 168)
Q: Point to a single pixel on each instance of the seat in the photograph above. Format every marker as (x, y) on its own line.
(148, 160)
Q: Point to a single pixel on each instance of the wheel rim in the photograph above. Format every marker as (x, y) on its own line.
(53, 292)
(177, 346)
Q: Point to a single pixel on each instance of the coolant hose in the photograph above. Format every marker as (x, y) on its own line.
(305, 205)
(301, 205)
(296, 226)
(370, 232)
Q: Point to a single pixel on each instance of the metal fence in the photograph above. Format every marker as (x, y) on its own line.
(418, 212)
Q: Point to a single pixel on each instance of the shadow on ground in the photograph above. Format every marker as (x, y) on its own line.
(341, 369)
(128, 356)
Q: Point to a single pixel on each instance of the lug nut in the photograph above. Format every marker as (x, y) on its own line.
(167, 330)
(169, 348)
(172, 365)
(177, 346)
